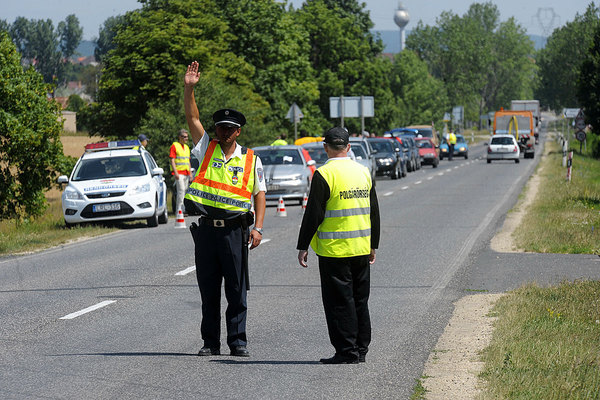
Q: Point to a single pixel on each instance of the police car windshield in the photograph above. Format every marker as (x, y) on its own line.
(279, 156)
(109, 167)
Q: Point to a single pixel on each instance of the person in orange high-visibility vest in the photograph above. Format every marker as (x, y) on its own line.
(229, 177)
(179, 155)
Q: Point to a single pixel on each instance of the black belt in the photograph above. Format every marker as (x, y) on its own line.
(219, 223)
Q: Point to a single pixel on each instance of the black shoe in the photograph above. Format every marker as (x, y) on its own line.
(209, 351)
(362, 357)
(240, 351)
(338, 359)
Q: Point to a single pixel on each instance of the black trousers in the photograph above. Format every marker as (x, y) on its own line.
(345, 287)
(219, 257)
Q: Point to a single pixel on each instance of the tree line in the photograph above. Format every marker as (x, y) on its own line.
(260, 56)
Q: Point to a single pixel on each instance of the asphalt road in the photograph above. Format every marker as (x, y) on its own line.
(141, 340)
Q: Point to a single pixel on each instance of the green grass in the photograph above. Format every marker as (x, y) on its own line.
(546, 341)
(546, 344)
(43, 232)
(565, 217)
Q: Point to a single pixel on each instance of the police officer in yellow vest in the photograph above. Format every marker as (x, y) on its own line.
(179, 155)
(341, 223)
(228, 177)
(451, 144)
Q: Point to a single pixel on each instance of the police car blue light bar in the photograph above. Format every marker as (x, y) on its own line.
(118, 144)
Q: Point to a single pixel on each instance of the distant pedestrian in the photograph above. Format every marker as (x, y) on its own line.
(179, 155)
(280, 141)
(451, 144)
(143, 140)
(341, 224)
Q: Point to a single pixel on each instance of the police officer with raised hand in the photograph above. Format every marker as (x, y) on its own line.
(228, 177)
(341, 224)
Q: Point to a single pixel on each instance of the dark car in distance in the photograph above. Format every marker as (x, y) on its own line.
(388, 162)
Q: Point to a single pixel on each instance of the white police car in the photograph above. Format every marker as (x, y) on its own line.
(115, 181)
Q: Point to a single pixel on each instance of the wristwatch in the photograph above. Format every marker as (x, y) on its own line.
(259, 230)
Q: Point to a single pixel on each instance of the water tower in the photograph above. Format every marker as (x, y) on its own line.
(401, 18)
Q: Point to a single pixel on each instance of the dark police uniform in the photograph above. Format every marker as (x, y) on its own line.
(341, 223)
(221, 194)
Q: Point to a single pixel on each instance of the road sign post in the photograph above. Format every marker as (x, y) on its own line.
(352, 107)
(294, 114)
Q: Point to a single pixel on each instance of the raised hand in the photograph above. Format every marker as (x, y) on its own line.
(191, 75)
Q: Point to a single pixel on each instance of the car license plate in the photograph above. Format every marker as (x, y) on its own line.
(106, 207)
(272, 187)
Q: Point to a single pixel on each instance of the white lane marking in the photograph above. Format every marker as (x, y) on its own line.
(388, 193)
(449, 170)
(89, 309)
(440, 173)
(456, 167)
(429, 178)
(418, 182)
(404, 187)
(186, 271)
(468, 244)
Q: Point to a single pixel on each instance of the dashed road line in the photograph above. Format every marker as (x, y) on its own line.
(186, 271)
(404, 188)
(89, 309)
(388, 193)
(429, 178)
(418, 182)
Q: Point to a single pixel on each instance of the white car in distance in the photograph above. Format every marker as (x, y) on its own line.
(115, 181)
(503, 147)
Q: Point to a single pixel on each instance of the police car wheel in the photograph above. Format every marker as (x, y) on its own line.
(152, 222)
(164, 217)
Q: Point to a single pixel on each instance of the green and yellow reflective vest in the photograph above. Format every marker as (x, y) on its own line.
(182, 161)
(226, 186)
(346, 228)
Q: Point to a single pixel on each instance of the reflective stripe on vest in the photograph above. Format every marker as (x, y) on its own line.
(182, 160)
(346, 228)
(223, 185)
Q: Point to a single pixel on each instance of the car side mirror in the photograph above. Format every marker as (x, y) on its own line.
(63, 179)
(310, 163)
(157, 171)
(373, 151)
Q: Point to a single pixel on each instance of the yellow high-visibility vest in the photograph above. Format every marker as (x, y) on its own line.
(182, 161)
(226, 186)
(452, 138)
(346, 228)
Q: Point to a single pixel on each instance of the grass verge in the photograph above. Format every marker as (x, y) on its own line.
(565, 217)
(546, 344)
(546, 341)
(46, 231)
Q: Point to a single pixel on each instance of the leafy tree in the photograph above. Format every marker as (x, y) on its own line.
(106, 36)
(277, 47)
(345, 56)
(421, 97)
(45, 47)
(483, 62)
(588, 87)
(30, 147)
(70, 35)
(561, 59)
(153, 47)
(75, 103)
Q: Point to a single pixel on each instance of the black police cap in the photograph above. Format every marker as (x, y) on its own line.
(228, 116)
(337, 135)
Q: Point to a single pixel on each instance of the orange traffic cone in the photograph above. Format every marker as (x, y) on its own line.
(281, 212)
(180, 222)
(304, 201)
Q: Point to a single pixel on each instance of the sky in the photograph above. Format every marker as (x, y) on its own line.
(537, 16)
